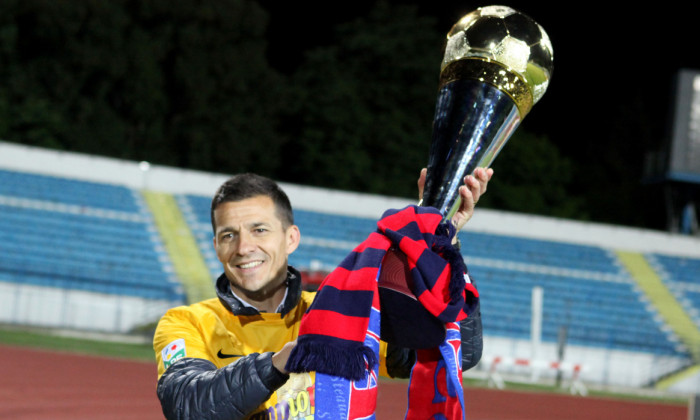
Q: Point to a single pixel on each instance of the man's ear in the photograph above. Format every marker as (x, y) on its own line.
(293, 238)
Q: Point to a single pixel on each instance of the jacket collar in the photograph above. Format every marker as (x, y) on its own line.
(234, 305)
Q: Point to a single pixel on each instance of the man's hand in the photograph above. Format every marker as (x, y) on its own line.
(474, 186)
(279, 359)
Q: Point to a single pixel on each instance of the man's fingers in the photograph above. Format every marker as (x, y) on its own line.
(478, 183)
(474, 187)
(421, 182)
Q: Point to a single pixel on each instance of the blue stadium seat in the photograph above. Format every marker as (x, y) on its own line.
(585, 288)
(74, 234)
(682, 276)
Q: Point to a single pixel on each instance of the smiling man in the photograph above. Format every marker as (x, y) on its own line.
(252, 242)
(224, 358)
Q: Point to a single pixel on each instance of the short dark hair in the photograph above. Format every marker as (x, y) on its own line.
(248, 185)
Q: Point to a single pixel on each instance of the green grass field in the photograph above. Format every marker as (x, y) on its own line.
(47, 341)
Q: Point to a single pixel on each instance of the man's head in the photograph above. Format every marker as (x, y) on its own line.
(249, 185)
(253, 236)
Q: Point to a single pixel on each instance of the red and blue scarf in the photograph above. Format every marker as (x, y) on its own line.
(339, 335)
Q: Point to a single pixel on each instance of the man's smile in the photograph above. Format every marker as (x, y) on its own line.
(250, 264)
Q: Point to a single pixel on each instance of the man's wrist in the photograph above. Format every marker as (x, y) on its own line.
(271, 377)
(278, 362)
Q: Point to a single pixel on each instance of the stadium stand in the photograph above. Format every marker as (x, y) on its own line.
(58, 233)
(97, 242)
(586, 288)
(587, 291)
(681, 276)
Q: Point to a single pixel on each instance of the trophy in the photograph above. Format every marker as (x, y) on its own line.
(497, 65)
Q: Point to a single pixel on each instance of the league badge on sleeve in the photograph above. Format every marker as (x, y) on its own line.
(172, 352)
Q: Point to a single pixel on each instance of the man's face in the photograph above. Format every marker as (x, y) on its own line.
(252, 244)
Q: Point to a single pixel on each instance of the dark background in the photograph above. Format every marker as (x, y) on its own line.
(341, 95)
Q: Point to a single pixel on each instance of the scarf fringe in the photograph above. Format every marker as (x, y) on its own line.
(350, 362)
(443, 246)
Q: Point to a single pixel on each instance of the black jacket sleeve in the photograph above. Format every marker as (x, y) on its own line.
(400, 361)
(195, 389)
(472, 339)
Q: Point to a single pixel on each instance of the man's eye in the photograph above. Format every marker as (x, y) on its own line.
(228, 237)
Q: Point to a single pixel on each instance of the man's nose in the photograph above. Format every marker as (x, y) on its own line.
(246, 244)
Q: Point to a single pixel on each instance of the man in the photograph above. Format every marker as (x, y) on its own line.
(225, 358)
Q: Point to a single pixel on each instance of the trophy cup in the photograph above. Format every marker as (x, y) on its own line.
(497, 65)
